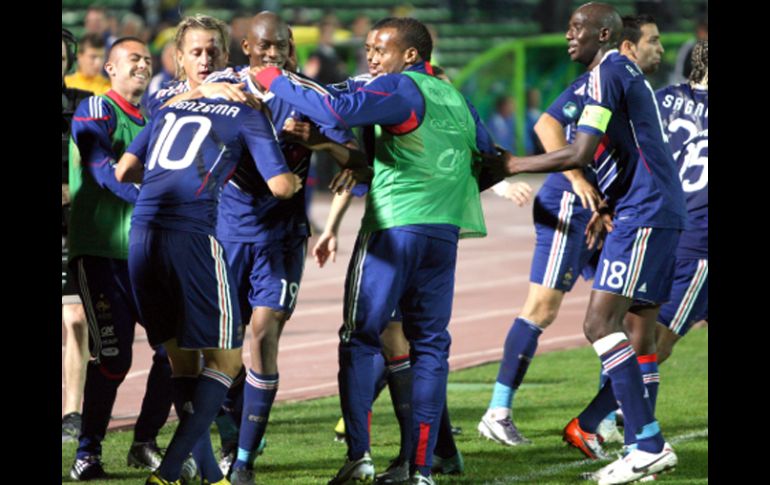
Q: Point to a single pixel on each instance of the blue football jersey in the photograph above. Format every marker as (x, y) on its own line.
(685, 113)
(634, 166)
(566, 109)
(190, 150)
(248, 211)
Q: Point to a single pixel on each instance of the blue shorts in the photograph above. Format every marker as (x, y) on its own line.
(561, 253)
(267, 274)
(638, 263)
(402, 270)
(184, 289)
(689, 296)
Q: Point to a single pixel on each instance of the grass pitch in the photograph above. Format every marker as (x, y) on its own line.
(558, 385)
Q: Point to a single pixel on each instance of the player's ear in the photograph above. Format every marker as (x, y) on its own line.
(109, 66)
(411, 56)
(245, 47)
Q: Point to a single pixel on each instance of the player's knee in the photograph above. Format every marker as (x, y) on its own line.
(116, 365)
(541, 314)
(227, 361)
(74, 317)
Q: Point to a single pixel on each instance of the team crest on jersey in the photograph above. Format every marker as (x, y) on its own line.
(570, 110)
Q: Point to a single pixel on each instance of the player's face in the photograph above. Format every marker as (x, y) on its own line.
(202, 53)
(369, 49)
(388, 56)
(63, 59)
(582, 38)
(130, 68)
(267, 45)
(649, 49)
(91, 61)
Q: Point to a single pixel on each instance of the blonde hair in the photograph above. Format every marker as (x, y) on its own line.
(202, 22)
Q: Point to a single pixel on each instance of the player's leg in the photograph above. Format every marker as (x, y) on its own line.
(395, 348)
(372, 289)
(105, 292)
(560, 255)
(427, 308)
(447, 459)
(688, 304)
(276, 272)
(156, 406)
(633, 266)
(75, 362)
(192, 306)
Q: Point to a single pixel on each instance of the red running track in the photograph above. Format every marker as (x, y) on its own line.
(491, 285)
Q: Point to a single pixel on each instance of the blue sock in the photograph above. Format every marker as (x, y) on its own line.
(400, 385)
(258, 396)
(229, 417)
(648, 364)
(208, 467)
(197, 400)
(603, 379)
(619, 361)
(520, 346)
(156, 404)
(603, 403)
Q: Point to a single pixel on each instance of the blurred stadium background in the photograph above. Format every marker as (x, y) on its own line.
(489, 48)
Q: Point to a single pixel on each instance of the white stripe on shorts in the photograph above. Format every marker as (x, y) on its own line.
(556, 254)
(637, 260)
(690, 296)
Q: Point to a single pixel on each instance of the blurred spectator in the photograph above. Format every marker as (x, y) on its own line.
(166, 73)
(90, 63)
(97, 21)
(531, 141)
(683, 65)
(552, 15)
(132, 25)
(359, 28)
(323, 65)
(502, 125)
(239, 28)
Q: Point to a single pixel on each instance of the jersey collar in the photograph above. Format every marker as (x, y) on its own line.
(129, 108)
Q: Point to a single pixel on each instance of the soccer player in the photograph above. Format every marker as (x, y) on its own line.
(73, 315)
(561, 213)
(424, 193)
(99, 222)
(640, 42)
(179, 275)
(620, 133)
(684, 109)
(265, 240)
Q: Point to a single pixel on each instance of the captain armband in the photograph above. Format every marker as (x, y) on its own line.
(597, 117)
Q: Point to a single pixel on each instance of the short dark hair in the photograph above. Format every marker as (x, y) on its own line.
(128, 38)
(412, 33)
(92, 40)
(632, 27)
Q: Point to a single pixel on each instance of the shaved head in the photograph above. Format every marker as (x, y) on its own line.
(268, 41)
(593, 29)
(603, 16)
(266, 20)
